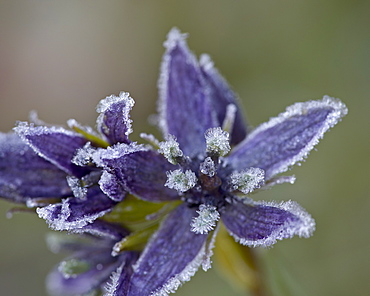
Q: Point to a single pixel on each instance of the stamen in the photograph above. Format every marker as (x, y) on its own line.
(247, 181)
(150, 139)
(217, 142)
(73, 267)
(229, 120)
(170, 150)
(79, 191)
(207, 167)
(206, 221)
(84, 155)
(181, 181)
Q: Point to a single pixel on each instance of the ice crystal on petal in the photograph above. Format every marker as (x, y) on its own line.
(217, 141)
(207, 167)
(111, 286)
(206, 221)
(175, 282)
(181, 181)
(247, 181)
(170, 150)
(75, 184)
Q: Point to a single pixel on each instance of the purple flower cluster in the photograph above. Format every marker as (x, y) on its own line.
(202, 174)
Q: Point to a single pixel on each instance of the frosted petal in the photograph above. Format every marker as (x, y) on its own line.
(25, 176)
(75, 213)
(114, 119)
(185, 107)
(222, 97)
(84, 271)
(263, 223)
(171, 257)
(55, 144)
(287, 139)
(133, 169)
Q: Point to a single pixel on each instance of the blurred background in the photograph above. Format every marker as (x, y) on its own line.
(61, 57)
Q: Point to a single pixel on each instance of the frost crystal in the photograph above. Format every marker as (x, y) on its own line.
(75, 184)
(217, 141)
(206, 221)
(170, 150)
(247, 181)
(84, 155)
(207, 167)
(181, 181)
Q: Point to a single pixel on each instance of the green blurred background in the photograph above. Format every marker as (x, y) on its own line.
(61, 57)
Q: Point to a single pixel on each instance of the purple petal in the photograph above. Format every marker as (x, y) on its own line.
(74, 213)
(287, 139)
(119, 283)
(170, 258)
(103, 229)
(263, 223)
(55, 144)
(185, 108)
(222, 96)
(24, 175)
(100, 266)
(136, 170)
(114, 119)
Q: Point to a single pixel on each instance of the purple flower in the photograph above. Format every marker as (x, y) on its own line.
(202, 173)
(212, 163)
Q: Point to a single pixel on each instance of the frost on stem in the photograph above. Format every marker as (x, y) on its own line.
(181, 181)
(206, 221)
(217, 142)
(248, 180)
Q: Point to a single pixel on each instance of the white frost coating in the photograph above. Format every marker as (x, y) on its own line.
(304, 228)
(207, 262)
(338, 108)
(206, 62)
(174, 38)
(279, 180)
(111, 286)
(248, 180)
(78, 190)
(84, 155)
(170, 150)
(116, 151)
(217, 141)
(207, 167)
(176, 281)
(24, 129)
(105, 104)
(151, 139)
(181, 181)
(61, 222)
(206, 220)
(72, 123)
(229, 120)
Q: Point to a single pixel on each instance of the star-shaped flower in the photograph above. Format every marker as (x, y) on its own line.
(202, 174)
(211, 162)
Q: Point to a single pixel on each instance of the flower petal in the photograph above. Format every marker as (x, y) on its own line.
(55, 144)
(104, 229)
(171, 257)
(137, 170)
(73, 213)
(99, 265)
(114, 119)
(287, 139)
(24, 175)
(263, 223)
(185, 108)
(222, 96)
